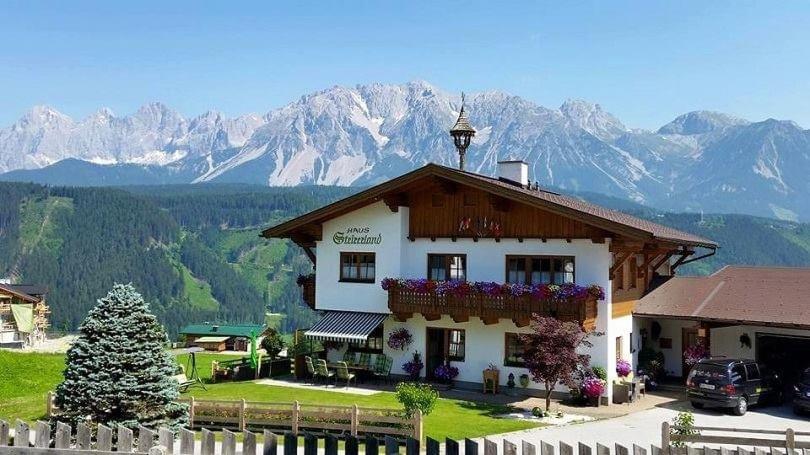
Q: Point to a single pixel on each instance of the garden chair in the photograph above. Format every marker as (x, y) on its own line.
(349, 357)
(343, 374)
(311, 368)
(382, 368)
(365, 360)
(323, 371)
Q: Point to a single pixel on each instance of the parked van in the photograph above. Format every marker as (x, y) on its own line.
(732, 383)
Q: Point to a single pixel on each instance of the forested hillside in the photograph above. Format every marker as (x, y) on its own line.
(194, 251)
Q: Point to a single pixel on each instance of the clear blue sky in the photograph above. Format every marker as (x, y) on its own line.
(644, 61)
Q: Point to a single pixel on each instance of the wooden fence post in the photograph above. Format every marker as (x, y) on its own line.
(310, 444)
(104, 438)
(432, 446)
(509, 448)
(417, 425)
(21, 434)
(42, 435)
(228, 442)
(270, 446)
(638, 450)
(621, 450)
(242, 416)
(412, 447)
(470, 447)
(166, 439)
(355, 420)
(350, 445)
(124, 439)
(3, 433)
(450, 447)
(391, 446)
(566, 449)
(583, 449)
(490, 448)
(191, 412)
(248, 443)
(296, 408)
(602, 450)
(186, 442)
(372, 445)
(528, 448)
(790, 440)
(330, 445)
(290, 443)
(84, 437)
(49, 404)
(146, 439)
(665, 435)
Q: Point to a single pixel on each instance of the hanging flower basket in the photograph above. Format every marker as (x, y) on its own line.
(400, 339)
(623, 368)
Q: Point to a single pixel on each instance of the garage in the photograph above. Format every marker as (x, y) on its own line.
(787, 355)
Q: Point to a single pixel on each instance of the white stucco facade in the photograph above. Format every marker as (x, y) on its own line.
(398, 257)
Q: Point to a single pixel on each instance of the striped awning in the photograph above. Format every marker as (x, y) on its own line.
(345, 326)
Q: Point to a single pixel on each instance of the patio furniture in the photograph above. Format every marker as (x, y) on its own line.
(382, 368)
(349, 357)
(311, 368)
(342, 373)
(639, 388)
(622, 392)
(322, 371)
(365, 360)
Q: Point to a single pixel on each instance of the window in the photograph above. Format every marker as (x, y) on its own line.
(540, 269)
(513, 351)
(737, 374)
(444, 267)
(455, 345)
(357, 267)
(374, 343)
(619, 348)
(753, 371)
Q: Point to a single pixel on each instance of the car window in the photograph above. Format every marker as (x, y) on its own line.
(806, 377)
(737, 374)
(753, 371)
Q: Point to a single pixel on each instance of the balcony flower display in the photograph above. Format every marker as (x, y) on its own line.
(445, 373)
(560, 292)
(400, 339)
(623, 368)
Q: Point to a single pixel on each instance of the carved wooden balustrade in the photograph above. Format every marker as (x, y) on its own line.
(490, 308)
(307, 284)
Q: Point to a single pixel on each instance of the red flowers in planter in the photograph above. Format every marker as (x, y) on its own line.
(465, 288)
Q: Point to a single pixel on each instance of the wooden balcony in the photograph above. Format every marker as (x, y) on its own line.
(307, 284)
(404, 303)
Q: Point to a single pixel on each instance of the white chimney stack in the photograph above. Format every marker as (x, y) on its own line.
(516, 172)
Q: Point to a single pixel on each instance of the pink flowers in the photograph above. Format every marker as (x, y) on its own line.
(562, 292)
(623, 368)
(593, 387)
(693, 354)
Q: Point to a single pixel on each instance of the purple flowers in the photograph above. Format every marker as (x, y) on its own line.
(563, 292)
(623, 368)
(400, 339)
(445, 373)
(593, 387)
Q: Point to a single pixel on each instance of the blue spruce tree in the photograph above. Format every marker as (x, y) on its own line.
(118, 370)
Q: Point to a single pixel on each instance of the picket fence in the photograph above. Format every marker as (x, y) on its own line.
(294, 417)
(783, 439)
(108, 441)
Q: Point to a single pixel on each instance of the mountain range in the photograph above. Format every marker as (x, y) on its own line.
(700, 161)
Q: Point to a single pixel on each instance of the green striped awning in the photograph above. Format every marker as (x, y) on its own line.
(345, 326)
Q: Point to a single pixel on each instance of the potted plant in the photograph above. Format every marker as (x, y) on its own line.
(593, 388)
(400, 339)
(414, 366)
(446, 373)
(510, 381)
(491, 378)
(623, 368)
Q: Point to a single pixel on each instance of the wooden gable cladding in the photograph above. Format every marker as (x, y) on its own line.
(467, 212)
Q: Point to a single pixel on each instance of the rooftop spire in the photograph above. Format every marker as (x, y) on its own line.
(462, 133)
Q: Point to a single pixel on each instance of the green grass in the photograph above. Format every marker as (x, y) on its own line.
(197, 291)
(26, 378)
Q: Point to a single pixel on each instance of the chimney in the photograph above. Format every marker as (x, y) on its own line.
(515, 172)
(215, 328)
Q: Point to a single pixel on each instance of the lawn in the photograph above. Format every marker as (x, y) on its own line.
(26, 378)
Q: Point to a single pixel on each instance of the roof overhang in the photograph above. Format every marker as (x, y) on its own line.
(19, 295)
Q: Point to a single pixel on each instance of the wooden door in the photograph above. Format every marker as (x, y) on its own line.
(435, 351)
(689, 338)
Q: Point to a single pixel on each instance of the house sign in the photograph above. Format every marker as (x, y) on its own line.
(357, 236)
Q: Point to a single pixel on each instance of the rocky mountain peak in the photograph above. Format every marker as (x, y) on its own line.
(700, 122)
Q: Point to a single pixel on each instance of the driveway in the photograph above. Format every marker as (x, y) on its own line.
(644, 427)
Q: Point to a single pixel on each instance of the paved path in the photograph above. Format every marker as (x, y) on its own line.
(644, 427)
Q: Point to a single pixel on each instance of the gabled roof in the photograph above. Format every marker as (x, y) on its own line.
(735, 294)
(233, 330)
(25, 292)
(571, 207)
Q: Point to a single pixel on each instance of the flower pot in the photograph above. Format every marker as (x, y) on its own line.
(491, 380)
(595, 401)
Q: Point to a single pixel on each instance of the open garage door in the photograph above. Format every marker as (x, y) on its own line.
(787, 355)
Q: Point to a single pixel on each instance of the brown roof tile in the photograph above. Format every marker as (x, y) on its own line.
(735, 294)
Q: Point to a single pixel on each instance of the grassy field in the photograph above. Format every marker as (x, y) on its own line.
(26, 378)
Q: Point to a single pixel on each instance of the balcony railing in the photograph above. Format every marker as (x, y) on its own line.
(404, 302)
(307, 283)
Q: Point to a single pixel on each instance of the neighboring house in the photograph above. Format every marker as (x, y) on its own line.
(760, 313)
(23, 315)
(221, 337)
(442, 223)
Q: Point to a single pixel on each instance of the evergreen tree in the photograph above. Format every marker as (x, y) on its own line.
(118, 370)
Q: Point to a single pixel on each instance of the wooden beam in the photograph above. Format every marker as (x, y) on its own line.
(521, 322)
(402, 317)
(618, 260)
(311, 255)
(460, 317)
(659, 263)
(432, 317)
(684, 254)
(489, 320)
(395, 201)
(619, 246)
(598, 239)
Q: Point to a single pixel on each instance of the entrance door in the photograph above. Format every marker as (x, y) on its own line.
(689, 338)
(435, 351)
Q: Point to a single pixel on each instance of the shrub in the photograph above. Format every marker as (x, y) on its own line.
(683, 425)
(414, 396)
(272, 343)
